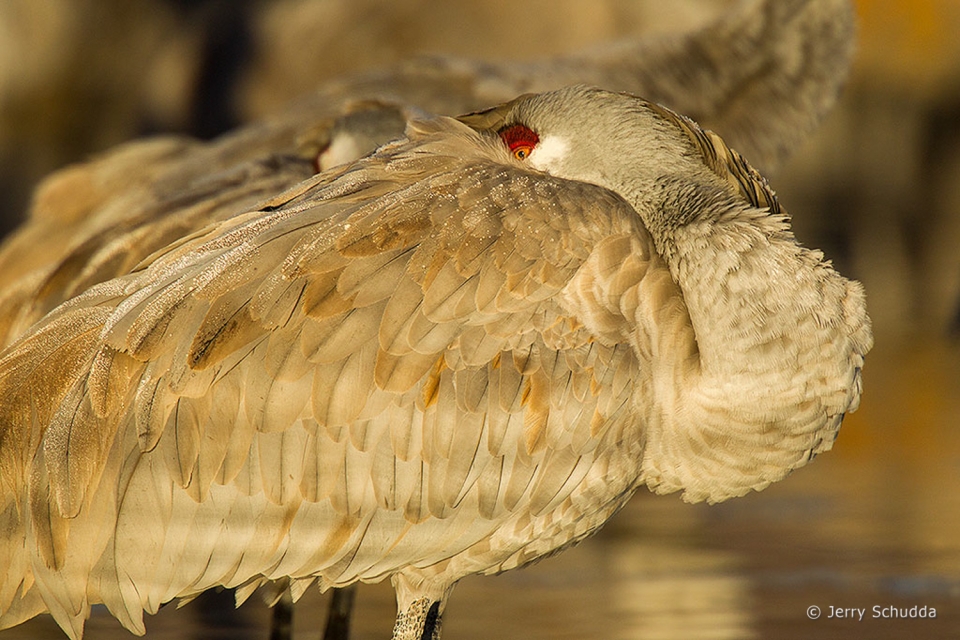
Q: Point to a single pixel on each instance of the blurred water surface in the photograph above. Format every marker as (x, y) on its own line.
(872, 523)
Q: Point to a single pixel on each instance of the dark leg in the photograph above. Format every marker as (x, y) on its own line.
(431, 626)
(338, 620)
(281, 624)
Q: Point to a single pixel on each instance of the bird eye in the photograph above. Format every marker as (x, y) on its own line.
(521, 152)
(521, 140)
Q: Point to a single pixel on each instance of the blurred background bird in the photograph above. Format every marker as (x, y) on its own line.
(749, 74)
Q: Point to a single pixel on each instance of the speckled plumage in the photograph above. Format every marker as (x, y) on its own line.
(435, 362)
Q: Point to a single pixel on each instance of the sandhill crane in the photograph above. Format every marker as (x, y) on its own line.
(452, 357)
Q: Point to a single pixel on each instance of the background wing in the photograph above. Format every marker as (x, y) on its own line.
(98, 220)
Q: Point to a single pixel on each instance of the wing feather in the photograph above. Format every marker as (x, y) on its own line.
(478, 347)
(33, 383)
(274, 404)
(428, 337)
(335, 338)
(323, 465)
(226, 327)
(406, 432)
(446, 294)
(466, 460)
(558, 466)
(107, 381)
(490, 504)
(375, 278)
(219, 425)
(284, 358)
(232, 451)
(398, 374)
(401, 337)
(74, 448)
(183, 430)
(281, 464)
(277, 300)
(153, 408)
(343, 389)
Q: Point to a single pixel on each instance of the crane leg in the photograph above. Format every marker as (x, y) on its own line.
(421, 621)
(338, 619)
(281, 622)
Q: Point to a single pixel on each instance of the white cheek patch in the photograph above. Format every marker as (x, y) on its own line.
(342, 149)
(549, 153)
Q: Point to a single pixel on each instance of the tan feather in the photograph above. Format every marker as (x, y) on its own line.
(397, 374)
(74, 448)
(353, 487)
(519, 474)
(278, 300)
(281, 464)
(242, 432)
(283, 356)
(467, 459)
(220, 427)
(489, 489)
(448, 292)
(399, 316)
(406, 432)
(109, 376)
(489, 286)
(562, 469)
(183, 432)
(415, 510)
(273, 404)
(322, 300)
(472, 386)
(153, 408)
(226, 327)
(33, 383)
(440, 423)
(50, 528)
(477, 347)
(335, 338)
(342, 390)
(150, 325)
(373, 279)
(383, 474)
